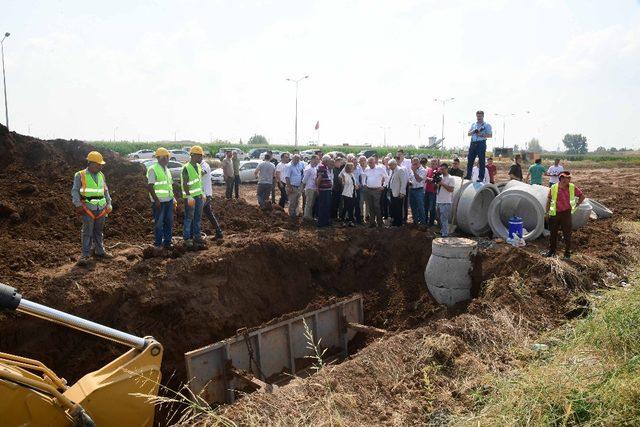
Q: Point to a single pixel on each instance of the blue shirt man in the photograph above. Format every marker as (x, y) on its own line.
(294, 172)
(479, 132)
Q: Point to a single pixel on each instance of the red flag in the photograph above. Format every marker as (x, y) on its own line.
(318, 125)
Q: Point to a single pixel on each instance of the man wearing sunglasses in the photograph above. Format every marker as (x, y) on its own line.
(563, 201)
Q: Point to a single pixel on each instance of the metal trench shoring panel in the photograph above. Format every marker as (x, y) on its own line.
(277, 349)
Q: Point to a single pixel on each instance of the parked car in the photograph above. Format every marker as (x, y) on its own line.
(367, 153)
(180, 155)
(217, 177)
(254, 153)
(336, 154)
(241, 154)
(174, 167)
(141, 154)
(306, 154)
(247, 169)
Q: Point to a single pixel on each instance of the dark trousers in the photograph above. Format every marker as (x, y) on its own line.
(405, 205)
(283, 194)
(163, 227)
(207, 210)
(336, 212)
(229, 186)
(560, 221)
(396, 210)
(384, 204)
(236, 186)
(348, 206)
(324, 207)
(358, 211)
(430, 207)
(476, 149)
(273, 193)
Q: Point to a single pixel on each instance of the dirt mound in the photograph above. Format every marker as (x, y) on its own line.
(38, 225)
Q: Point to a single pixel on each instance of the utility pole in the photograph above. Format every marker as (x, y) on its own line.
(296, 81)
(504, 120)
(384, 130)
(443, 101)
(419, 131)
(4, 81)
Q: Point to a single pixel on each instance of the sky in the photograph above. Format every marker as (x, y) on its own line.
(203, 70)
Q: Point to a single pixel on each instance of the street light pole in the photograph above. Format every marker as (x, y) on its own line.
(444, 101)
(4, 81)
(384, 130)
(419, 131)
(504, 120)
(296, 81)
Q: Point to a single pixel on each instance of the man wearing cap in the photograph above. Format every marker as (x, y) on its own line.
(90, 196)
(192, 193)
(160, 187)
(561, 204)
(479, 132)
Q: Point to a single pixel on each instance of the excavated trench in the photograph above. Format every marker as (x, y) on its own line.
(199, 298)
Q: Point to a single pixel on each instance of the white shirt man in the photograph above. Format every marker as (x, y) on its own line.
(206, 179)
(553, 173)
(280, 171)
(375, 177)
(475, 175)
(421, 172)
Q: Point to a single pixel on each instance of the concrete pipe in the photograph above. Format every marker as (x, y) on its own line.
(523, 200)
(471, 211)
(448, 272)
(581, 216)
(599, 209)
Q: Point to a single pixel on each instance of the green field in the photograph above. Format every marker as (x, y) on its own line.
(125, 148)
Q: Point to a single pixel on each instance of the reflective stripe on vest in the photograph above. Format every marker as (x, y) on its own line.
(195, 180)
(92, 192)
(163, 187)
(553, 206)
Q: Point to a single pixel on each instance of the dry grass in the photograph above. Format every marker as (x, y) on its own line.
(592, 377)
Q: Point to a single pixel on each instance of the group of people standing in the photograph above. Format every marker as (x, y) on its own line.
(353, 190)
(358, 190)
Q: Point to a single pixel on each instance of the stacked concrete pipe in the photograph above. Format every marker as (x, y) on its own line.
(528, 202)
(448, 272)
(471, 207)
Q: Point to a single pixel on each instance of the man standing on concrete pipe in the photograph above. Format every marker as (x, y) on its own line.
(479, 132)
(561, 204)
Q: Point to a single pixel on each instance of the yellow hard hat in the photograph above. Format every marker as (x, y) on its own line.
(196, 149)
(95, 157)
(161, 152)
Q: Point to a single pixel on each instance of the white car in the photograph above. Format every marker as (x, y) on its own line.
(180, 155)
(221, 153)
(247, 169)
(141, 154)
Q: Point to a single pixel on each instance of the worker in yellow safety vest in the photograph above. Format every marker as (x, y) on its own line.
(90, 196)
(192, 193)
(160, 187)
(563, 201)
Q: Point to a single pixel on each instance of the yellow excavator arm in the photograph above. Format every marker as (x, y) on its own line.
(119, 394)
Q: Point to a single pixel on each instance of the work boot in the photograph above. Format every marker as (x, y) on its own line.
(567, 255)
(188, 243)
(549, 254)
(105, 255)
(199, 245)
(83, 261)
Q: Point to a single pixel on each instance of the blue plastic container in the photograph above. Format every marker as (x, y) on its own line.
(515, 227)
